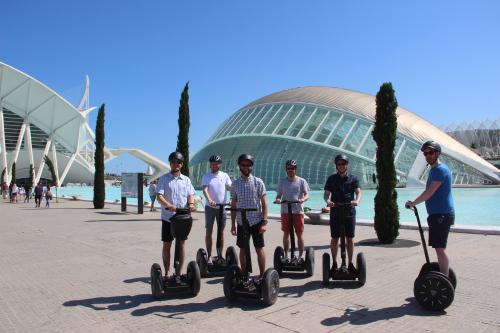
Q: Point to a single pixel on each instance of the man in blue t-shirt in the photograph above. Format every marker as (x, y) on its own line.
(438, 202)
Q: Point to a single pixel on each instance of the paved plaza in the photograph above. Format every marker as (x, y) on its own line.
(72, 268)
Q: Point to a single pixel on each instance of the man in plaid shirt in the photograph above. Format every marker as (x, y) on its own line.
(249, 192)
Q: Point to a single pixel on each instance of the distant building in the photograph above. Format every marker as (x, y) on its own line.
(36, 121)
(313, 124)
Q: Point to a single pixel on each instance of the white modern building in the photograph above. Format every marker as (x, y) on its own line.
(313, 124)
(36, 121)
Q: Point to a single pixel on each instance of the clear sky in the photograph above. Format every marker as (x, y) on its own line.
(442, 58)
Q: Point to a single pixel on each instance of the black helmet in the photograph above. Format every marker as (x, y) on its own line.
(341, 157)
(175, 156)
(291, 163)
(431, 145)
(245, 157)
(215, 158)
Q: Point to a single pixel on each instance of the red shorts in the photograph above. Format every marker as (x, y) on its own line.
(298, 223)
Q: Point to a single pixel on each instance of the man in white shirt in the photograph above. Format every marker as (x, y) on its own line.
(215, 184)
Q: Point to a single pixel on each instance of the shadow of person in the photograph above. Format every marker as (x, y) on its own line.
(365, 316)
(175, 311)
(112, 303)
(298, 291)
(145, 279)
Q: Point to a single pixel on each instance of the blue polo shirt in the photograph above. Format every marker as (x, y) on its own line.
(176, 191)
(441, 201)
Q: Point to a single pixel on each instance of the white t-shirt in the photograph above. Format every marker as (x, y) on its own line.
(216, 184)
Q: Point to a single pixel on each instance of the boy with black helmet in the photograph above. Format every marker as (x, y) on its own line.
(174, 190)
(438, 202)
(292, 188)
(215, 185)
(249, 192)
(342, 187)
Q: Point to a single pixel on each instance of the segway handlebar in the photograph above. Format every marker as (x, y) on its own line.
(242, 209)
(342, 204)
(284, 202)
(422, 238)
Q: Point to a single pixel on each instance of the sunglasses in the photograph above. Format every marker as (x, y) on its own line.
(246, 165)
(341, 164)
(176, 162)
(431, 152)
(292, 168)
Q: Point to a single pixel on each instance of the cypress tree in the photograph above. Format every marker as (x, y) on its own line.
(52, 170)
(13, 173)
(99, 191)
(384, 134)
(31, 180)
(183, 136)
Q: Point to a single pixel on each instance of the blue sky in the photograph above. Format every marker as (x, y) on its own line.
(441, 56)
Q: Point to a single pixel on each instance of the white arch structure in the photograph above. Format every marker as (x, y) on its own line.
(36, 121)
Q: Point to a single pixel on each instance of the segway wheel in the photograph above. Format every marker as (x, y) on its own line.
(232, 279)
(231, 257)
(433, 291)
(193, 277)
(310, 261)
(156, 281)
(270, 286)
(326, 269)
(434, 267)
(361, 268)
(202, 261)
(279, 254)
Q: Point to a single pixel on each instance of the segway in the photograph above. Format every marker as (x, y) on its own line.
(219, 264)
(239, 284)
(181, 224)
(433, 290)
(342, 272)
(293, 264)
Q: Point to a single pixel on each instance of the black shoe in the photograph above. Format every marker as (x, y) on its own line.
(351, 268)
(334, 266)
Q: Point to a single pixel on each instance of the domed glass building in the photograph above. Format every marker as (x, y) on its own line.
(313, 124)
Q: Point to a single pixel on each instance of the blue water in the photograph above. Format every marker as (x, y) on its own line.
(473, 206)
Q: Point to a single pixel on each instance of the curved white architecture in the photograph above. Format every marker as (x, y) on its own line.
(313, 124)
(36, 121)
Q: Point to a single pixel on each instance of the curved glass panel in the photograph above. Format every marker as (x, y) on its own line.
(328, 125)
(341, 131)
(289, 118)
(313, 123)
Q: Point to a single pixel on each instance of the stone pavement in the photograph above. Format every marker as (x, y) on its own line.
(71, 268)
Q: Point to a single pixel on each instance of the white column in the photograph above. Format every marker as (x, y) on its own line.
(28, 144)
(41, 165)
(3, 159)
(66, 169)
(54, 161)
(19, 142)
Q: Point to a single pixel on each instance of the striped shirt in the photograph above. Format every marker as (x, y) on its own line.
(247, 193)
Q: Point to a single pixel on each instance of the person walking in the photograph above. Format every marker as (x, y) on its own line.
(342, 187)
(38, 194)
(249, 192)
(152, 195)
(439, 203)
(215, 185)
(292, 188)
(174, 191)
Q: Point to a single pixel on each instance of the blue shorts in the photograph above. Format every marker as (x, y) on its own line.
(336, 224)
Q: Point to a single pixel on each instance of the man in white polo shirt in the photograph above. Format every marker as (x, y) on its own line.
(215, 184)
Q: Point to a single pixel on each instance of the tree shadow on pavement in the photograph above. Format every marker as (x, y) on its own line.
(298, 291)
(112, 303)
(365, 316)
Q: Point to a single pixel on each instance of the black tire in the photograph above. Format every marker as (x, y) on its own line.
(202, 261)
(310, 261)
(231, 257)
(279, 254)
(156, 281)
(232, 279)
(194, 277)
(433, 291)
(270, 286)
(326, 269)
(434, 267)
(361, 268)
